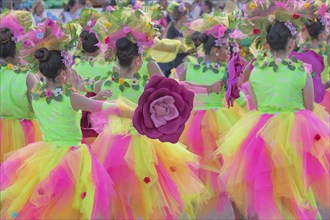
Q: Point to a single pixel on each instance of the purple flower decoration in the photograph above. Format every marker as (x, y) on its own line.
(26, 43)
(216, 66)
(49, 93)
(291, 27)
(67, 58)
(140, 49)
(181, 7)
(126, 29)
(163, 109)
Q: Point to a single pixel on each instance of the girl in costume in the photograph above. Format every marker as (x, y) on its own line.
(276, 159)
(316, 54)
(152, 179)
(211, 117)
(18, 126)
(57, 178)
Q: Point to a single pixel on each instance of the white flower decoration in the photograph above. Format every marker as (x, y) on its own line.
(58, 91)
(278, 61)
(91, 81)
(89, 23)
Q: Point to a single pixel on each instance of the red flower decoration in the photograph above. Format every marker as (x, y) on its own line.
(83, 195)
(107, 40)
(296, 16)
(256, 31)
(163, 109)
(146, 180)
(317, 137)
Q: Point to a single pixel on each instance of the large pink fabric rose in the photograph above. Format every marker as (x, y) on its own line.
(163, 109)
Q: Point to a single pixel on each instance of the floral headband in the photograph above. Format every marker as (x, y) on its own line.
(18, 22)
(261, 14)
(136, 25)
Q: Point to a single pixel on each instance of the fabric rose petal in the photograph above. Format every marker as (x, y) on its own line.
(163, 109)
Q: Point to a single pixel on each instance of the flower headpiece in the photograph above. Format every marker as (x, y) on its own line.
(19, 22)
(323, 13)
(126, 22)
(49, 34)
(260, 14)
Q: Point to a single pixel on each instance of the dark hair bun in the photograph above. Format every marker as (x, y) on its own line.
(50, 62)
(84, 35)
(42, 55)
(204, 38)
(5, 35)
(7, 45)
(278, 36)
(123, 44)
(126, 51)
(314, 28)
(89, 41)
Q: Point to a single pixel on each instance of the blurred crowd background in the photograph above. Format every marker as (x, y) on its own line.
(70, 9)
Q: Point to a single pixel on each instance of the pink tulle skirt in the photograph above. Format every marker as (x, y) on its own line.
(277, 166)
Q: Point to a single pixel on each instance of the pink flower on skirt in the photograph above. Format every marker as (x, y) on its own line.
(163, 109)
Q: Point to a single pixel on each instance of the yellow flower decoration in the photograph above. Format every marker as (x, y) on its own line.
(252, 5)
(10, 66)
(121, 81)
(307, 5)
(108, 25)
(154, 8)
(173, 70)
(243, 54)
(147, 25)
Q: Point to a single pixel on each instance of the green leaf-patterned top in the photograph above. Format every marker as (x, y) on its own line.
(278, 84)
(130, 89)
(59, 122)
(14, 102)
(200, 72)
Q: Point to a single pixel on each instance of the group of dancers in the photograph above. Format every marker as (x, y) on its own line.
(92, 129)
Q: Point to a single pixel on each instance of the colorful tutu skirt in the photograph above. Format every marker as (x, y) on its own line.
(200, 136)
(152, 179)
(44, 181)
(15, 134)
(276, 166)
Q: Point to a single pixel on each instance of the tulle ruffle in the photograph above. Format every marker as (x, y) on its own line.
(277, 166)
(152, 179)
(200, 136)
(15, 134)
(43, 181)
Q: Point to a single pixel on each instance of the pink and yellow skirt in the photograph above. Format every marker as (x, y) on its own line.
(152, 179)
(277, 166)
(200, 136)
(45, 181)
(15, 134)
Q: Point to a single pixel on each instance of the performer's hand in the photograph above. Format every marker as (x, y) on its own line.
(76, 81)
(103, 95)
(216, 87)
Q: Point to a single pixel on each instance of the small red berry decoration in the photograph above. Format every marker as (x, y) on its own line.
(296, 16)
(146, 180)
(173, 169)
(317, 137)
(83, 195)
(256, 31)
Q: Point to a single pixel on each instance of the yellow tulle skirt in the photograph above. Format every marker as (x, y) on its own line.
(152, 179)
(200, 136)
(15, 134)
(276, 166)
(45, 181)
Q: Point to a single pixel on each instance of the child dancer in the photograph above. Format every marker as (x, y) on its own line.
(153, 180)
(57, 178)
(276, 159)
(18, 126)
